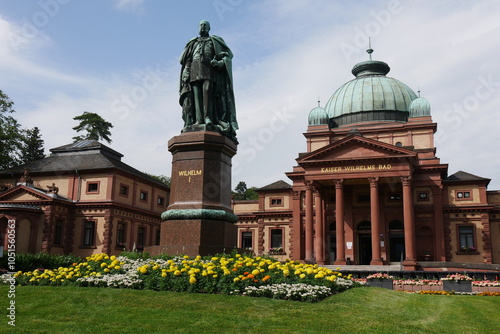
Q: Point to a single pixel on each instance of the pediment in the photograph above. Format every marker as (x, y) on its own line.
(356, 148)
(23, 193)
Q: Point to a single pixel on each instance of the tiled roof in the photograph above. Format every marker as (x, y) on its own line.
(464, 176)
(80, 156)
(278, 185)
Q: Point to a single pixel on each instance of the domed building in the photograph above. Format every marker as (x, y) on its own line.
(370, 189)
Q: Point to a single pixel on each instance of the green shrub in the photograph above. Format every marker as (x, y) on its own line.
(32, 261)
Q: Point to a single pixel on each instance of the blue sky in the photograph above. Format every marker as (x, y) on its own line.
(119, 58)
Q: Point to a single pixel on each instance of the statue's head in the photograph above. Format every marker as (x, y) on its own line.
(204, 27)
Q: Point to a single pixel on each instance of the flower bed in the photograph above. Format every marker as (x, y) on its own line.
(225, 274)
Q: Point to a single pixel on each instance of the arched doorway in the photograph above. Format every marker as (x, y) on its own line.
(396, 241)
(364, 242)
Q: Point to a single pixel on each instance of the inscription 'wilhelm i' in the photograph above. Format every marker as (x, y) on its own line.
(355, 168)
(189, 173)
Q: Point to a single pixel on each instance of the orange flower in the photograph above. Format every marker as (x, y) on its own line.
(255, 280)
(266, 278)
(234, 269)
(251, 276)
(245, 273)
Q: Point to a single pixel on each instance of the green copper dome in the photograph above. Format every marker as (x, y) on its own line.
(420, 107)
(318, 116)
(371, 96)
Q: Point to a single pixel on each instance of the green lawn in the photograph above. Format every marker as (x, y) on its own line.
(41, 309)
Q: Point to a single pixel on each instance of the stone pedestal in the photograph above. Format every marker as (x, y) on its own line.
(199, 219)
(457, 286)
(380, 283)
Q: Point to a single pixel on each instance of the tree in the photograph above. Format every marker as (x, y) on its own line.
(11, 135)
(241, 192)
(162, 178)
(96, 127)
(32, 146)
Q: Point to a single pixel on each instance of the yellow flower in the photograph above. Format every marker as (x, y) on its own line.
(192, 280)
(177, 273)
(236, 279)
(302, 276)
(255, 272)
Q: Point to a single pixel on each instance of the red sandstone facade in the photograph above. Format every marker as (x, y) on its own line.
(81, 200)
(392, 194)
(370, 189)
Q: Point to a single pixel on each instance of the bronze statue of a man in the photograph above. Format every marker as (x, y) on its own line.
(206, 84)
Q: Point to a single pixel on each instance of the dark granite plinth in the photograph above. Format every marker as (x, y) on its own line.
(201, 171)
(199, 219)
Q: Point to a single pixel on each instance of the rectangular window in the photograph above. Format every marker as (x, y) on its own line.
(143, 196)
(276, 238)
(92, 187)
(246, 240)
(423, 196)
(89, 233)
(141, 238)
(120, 236)
(463, 195)
(123, 190)
(466, 238)
(157, 236)
(160, 201)
(394, 197)
(276, 201)
(58, 232)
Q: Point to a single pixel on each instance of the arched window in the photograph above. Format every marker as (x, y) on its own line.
(364, 225)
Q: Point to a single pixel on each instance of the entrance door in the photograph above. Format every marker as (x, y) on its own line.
(397, 247)
(365, 248)
(332, 248)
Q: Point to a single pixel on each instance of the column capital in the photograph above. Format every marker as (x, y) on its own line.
(308, 183)
(406, 180)
(373, 181)
(338, 183)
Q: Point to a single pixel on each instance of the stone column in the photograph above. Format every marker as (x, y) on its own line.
(339, 222)
(439, 244)
(108, 232)
(47, 229)
(486, 238)
(296, 242)
(309, 222)
(375, 221)
(260, 236)
(319, 241)
(409, 224)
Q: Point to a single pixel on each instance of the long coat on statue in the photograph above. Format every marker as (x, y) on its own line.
(224, 106)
